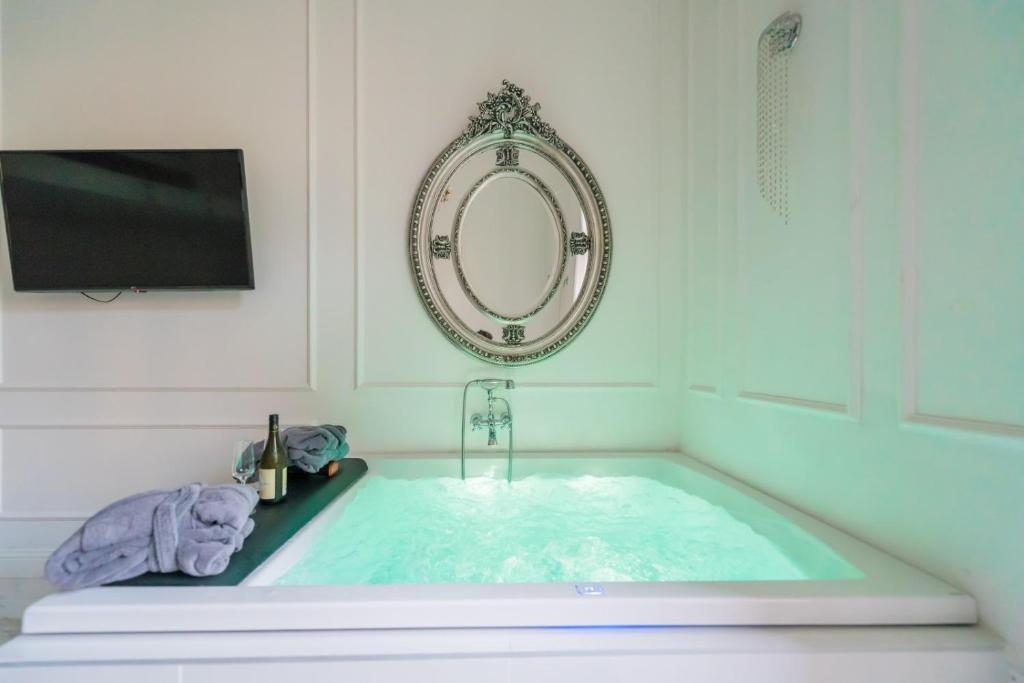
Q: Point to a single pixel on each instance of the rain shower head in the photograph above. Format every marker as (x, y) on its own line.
(782, 33)
(773, 53)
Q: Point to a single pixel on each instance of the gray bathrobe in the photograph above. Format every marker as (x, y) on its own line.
(194, 529)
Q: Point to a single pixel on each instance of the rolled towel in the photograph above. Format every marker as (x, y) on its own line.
(194, 529)
(311, 447)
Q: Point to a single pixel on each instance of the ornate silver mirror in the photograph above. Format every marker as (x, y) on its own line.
(509, 238)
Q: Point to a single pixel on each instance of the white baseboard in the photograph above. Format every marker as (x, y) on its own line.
(26, 542)
(22, 563)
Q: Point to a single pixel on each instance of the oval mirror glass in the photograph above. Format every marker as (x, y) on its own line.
(508, 246)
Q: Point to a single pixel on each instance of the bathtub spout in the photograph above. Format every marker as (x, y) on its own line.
(491, 421)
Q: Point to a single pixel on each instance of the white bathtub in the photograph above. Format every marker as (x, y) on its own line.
(400, 621)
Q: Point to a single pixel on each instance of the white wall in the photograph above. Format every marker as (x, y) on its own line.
(340, 107)
(864, 362)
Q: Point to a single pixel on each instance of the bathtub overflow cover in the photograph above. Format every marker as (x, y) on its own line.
(589, 589)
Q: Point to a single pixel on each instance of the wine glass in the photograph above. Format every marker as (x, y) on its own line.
(243, 465)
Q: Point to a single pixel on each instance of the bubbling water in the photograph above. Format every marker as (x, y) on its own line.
(534, 530)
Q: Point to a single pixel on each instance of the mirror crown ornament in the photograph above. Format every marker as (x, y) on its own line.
(509, 111)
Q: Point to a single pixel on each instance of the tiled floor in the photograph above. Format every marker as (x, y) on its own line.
(15, 596)
(8, 629)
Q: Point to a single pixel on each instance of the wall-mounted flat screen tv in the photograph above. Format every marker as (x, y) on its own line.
(126, 219)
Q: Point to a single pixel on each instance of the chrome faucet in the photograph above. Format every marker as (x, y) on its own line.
(491, 421)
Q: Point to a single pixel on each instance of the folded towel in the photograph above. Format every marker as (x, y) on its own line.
(194, 529)
(310, 448)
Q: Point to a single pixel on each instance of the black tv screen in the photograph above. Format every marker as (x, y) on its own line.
(126, 219)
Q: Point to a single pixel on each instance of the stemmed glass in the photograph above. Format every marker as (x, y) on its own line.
(243, 464)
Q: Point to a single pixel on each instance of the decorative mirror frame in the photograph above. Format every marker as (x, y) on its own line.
(508, 122)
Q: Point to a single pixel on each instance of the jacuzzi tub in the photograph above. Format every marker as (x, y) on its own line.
(878, 589)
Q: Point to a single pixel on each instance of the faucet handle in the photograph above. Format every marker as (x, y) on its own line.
(491, 384)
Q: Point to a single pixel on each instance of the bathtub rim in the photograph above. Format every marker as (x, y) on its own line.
(891, 592)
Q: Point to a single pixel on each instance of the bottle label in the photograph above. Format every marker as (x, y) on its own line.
(268, 484)
(284, 482)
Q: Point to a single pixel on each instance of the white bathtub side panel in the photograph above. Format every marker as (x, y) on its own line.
(832, 667)
(93, 673)
(304, 608)
(714, 655)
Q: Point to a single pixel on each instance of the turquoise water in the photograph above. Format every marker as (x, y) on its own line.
(538, 529)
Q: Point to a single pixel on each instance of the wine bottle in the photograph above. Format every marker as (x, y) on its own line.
(273, 467)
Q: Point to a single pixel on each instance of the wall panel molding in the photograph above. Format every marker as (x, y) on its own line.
(106, 426)
(570, 386)
(965, 424)
(794, 402)
(909, 208)
(858, 145)
(155, 390)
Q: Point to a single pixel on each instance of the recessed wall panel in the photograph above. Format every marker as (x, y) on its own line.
(970, 214)
(422, 67)
(149, 74)
(74, 471)
(794, 275)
